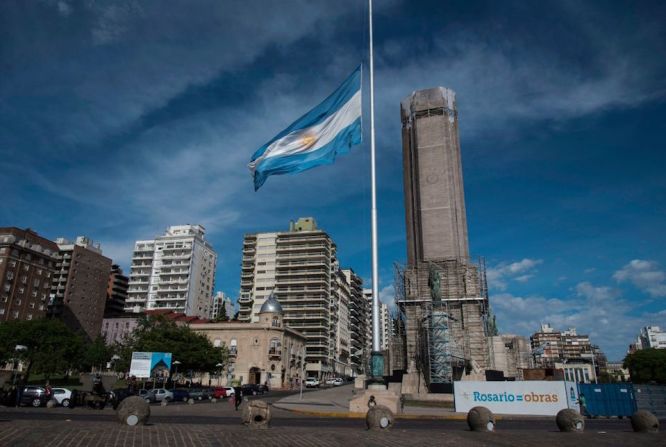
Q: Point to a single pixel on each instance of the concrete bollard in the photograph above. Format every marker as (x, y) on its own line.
(133, 410)
(481, 419)
(51, 403)
(164, 402)
(569, 420)
(256, 414)
(643, 421)
(213, 400)
(190, 401)
(379, 417)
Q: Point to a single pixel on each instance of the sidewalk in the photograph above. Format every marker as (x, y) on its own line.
(334, 402)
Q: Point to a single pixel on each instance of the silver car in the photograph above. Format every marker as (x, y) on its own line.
(163, 394)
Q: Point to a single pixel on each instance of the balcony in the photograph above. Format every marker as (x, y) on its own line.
(274, 354)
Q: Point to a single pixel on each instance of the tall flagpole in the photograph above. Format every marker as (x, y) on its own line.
(377, 364)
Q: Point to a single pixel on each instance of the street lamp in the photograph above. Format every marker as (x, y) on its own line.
(219, 372)
(18, 349)
(173, 379)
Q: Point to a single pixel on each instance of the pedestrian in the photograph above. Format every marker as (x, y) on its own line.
(238, 397)
(582, 402)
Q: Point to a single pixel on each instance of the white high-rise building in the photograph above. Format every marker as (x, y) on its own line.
(175, 272)
(385, 327)
(651, 337)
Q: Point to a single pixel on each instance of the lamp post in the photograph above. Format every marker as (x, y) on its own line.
(18, 349)
(173, 379)
(219, 372)
(302, 372)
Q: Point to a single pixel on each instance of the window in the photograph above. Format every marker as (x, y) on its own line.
(10, 275)
(233, 346)
(2, 310)
(217, 343)
(28, 317)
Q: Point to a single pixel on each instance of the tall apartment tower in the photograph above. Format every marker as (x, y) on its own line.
(27, 264)
(116, 292)
(175, 271)
(442, 285)
(222, 305)
(300, 268)
(78, 289)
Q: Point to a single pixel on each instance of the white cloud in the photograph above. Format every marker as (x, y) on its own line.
(645, 275)
(521, 271)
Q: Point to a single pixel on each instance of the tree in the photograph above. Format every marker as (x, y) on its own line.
(647, 365)
(193, 350)
(52, 347)
(96, 355)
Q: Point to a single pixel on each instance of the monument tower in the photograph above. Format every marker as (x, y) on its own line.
(445, 295)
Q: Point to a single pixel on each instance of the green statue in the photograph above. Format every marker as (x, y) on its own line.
(434, 284)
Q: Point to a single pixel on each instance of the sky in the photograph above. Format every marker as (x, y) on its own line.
(120, 118)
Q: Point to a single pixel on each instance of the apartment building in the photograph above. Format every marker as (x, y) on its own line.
(79, 285)
(27, 263)
(300, 267)
(342, 296)
(550, 347)
(175, 272)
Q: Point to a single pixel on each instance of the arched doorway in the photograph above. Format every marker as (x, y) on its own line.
(255, 376)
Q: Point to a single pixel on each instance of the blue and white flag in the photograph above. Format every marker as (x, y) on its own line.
(316, 138)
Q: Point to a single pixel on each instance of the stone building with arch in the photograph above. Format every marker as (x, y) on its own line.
(266, 352)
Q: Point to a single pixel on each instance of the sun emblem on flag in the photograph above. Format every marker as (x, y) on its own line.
(308, 140)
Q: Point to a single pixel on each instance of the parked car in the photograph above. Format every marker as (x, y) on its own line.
(63, 396)
(229, 390)
(162, 394)
(219, 392)
(118, 395)
(148, 395)
(338, 381)
(180, 394)
(200, 393)
(252, 389)
(311, 382)
(34, 395)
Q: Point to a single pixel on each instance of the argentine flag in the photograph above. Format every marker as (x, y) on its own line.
(316, 138)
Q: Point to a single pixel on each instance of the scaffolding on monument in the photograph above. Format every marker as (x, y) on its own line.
(439, 356)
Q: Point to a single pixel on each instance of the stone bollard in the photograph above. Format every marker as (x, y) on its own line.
(644, 422)
(133, 410)
(379, 417)
(256, 414)
(481, 419)
(213, 400)
(569, 420)
(51, 403)
(190, 401)
(164, 402)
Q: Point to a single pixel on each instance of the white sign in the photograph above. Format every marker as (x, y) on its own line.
(531, 397)
(140, 366)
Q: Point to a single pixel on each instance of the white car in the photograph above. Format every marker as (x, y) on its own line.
(230, 391)
(63, 396)
(311, 382)
(163, 394)
(338, 381)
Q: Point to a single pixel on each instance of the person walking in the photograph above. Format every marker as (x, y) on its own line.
(238, 396)
(582, 402)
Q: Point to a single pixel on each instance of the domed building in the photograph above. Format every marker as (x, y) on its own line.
(266, 352)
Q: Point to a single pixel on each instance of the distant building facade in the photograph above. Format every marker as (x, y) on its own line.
(27, 264)
(118, 328)
(222, 305)
(510, 354)
(553, 349)
(79, 286)
(263, 352)
(174, 272)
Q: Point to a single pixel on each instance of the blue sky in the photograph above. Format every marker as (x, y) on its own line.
(119, 118)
